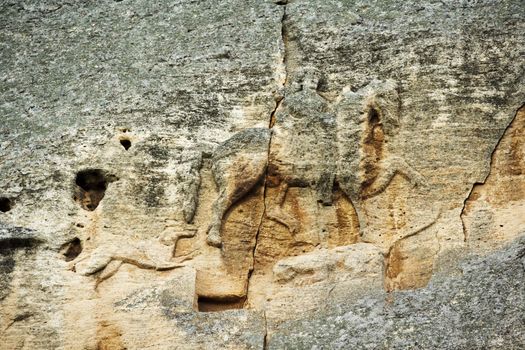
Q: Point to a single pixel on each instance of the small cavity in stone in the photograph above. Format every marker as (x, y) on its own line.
(125, 143)
(91, 185)
(73, 249)
(5, 204)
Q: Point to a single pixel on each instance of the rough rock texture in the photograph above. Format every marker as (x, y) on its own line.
(481, 307)
(262, 174)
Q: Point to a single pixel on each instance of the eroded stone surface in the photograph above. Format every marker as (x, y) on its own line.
(494, 211)
(261, 174)
(448, 314)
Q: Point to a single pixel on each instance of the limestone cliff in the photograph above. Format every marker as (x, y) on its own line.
(258, 174)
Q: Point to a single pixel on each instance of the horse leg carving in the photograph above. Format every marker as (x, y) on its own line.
(238, 164)
(171, 235)
(232, 189)
(402, 167)
(221, 205)
(348, 187)
(393, 166)
(108, 272)
(276, 213)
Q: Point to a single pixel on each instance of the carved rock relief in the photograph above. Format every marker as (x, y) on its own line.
(334, 156)
(286, 217)
(323, 276)
(302, 154)
(238, 165)
(328, 147)
(99, 250)
(105, 259)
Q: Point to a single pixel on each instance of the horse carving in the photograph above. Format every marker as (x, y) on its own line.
(314, 144)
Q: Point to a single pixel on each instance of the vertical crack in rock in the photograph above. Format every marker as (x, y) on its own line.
(271, 124)
(263, 214)
(284, 39)
(265, 339)
(465, 201)
(478, 184)
(272, 115)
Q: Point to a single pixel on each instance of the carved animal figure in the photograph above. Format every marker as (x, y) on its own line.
(188, 178)
(174, 232)
(109, 256)
(238, 165)
(305, 153)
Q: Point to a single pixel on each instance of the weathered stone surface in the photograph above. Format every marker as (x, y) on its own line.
(262, 174)
(460, 312)
(494, 210)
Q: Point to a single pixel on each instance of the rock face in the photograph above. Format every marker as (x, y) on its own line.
(262, 174)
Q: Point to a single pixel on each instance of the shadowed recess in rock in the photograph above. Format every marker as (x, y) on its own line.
(91, 185)
(126, 143)
(372, 148)
(11, 243)
(5, 204)
(72, 249)
(215, 304)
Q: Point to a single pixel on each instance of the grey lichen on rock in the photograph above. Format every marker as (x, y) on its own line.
(262, 174)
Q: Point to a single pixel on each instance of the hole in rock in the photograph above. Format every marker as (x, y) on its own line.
(73, 249)
(5, 204)
(373, 116)
(125, 143)
(91, 187)
(215, 304)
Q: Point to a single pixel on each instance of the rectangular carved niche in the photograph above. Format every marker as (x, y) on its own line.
(219, 291)
(214, 304)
